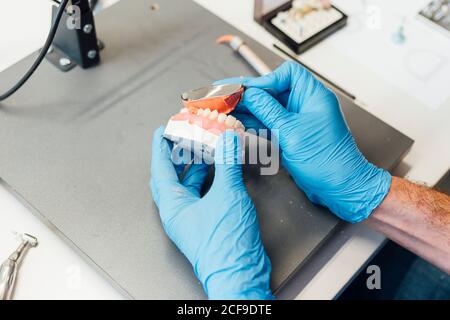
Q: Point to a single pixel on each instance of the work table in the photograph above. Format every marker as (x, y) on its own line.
(54, 271)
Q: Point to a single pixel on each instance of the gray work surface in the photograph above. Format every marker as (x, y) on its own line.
(76, 148)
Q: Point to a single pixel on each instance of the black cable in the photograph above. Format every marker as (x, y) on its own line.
(42, 54)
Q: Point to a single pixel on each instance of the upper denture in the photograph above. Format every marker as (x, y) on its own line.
(214, 121)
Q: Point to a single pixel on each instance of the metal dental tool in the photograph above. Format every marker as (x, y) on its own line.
(222, 98)
(10, 267)
(246, 52)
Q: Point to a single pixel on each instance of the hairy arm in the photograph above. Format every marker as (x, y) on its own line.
(320, 154)
(418, 219)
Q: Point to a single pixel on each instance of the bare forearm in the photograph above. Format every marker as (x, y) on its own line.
(418, 219)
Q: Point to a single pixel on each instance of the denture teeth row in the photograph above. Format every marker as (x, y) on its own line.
(229, 120)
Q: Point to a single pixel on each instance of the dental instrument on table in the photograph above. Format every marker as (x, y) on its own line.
(238, 45)
(10, 267)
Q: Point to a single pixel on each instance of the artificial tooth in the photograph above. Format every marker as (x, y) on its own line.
(238, 125)
(221, 118)
(230, 121)
(213, 115)
(199, 112)
(184, 110)
(206, 112)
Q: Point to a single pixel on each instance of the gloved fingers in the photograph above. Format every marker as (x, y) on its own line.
(235, 80)
(279, 83)
(292, 84)
(228, 160)
(249, 121)
(164, 183)
(180, 158)
(162, 167)
(283, 97)
(195, 177)
(281, 79)
(265, 108)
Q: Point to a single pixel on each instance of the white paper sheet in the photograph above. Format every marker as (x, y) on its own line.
(420, 66)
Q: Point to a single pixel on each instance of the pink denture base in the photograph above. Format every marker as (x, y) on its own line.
(212, 126)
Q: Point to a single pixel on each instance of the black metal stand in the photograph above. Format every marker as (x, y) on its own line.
(76, 40)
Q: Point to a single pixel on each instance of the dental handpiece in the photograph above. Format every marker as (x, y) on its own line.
(10, 267)
(238, 45)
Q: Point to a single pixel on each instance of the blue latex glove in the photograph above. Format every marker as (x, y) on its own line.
(219, 232)
(317, 147)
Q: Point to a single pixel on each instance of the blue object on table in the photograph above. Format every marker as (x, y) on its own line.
(219, 232)
(317, 147)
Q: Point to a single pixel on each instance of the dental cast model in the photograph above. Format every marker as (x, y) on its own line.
(204, 118)
(197, 130)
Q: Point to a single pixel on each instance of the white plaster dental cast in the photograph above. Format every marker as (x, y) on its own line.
(198, 130)
(204, 118)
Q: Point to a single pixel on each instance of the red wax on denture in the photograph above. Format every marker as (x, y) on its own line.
(223, 104)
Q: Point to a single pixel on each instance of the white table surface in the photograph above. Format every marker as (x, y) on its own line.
(54, 271)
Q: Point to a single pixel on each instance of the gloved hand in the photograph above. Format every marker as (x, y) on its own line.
(219, 232)
(317, 147)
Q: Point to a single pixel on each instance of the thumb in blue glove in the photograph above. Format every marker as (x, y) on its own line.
(316, 145)
(219, 232)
